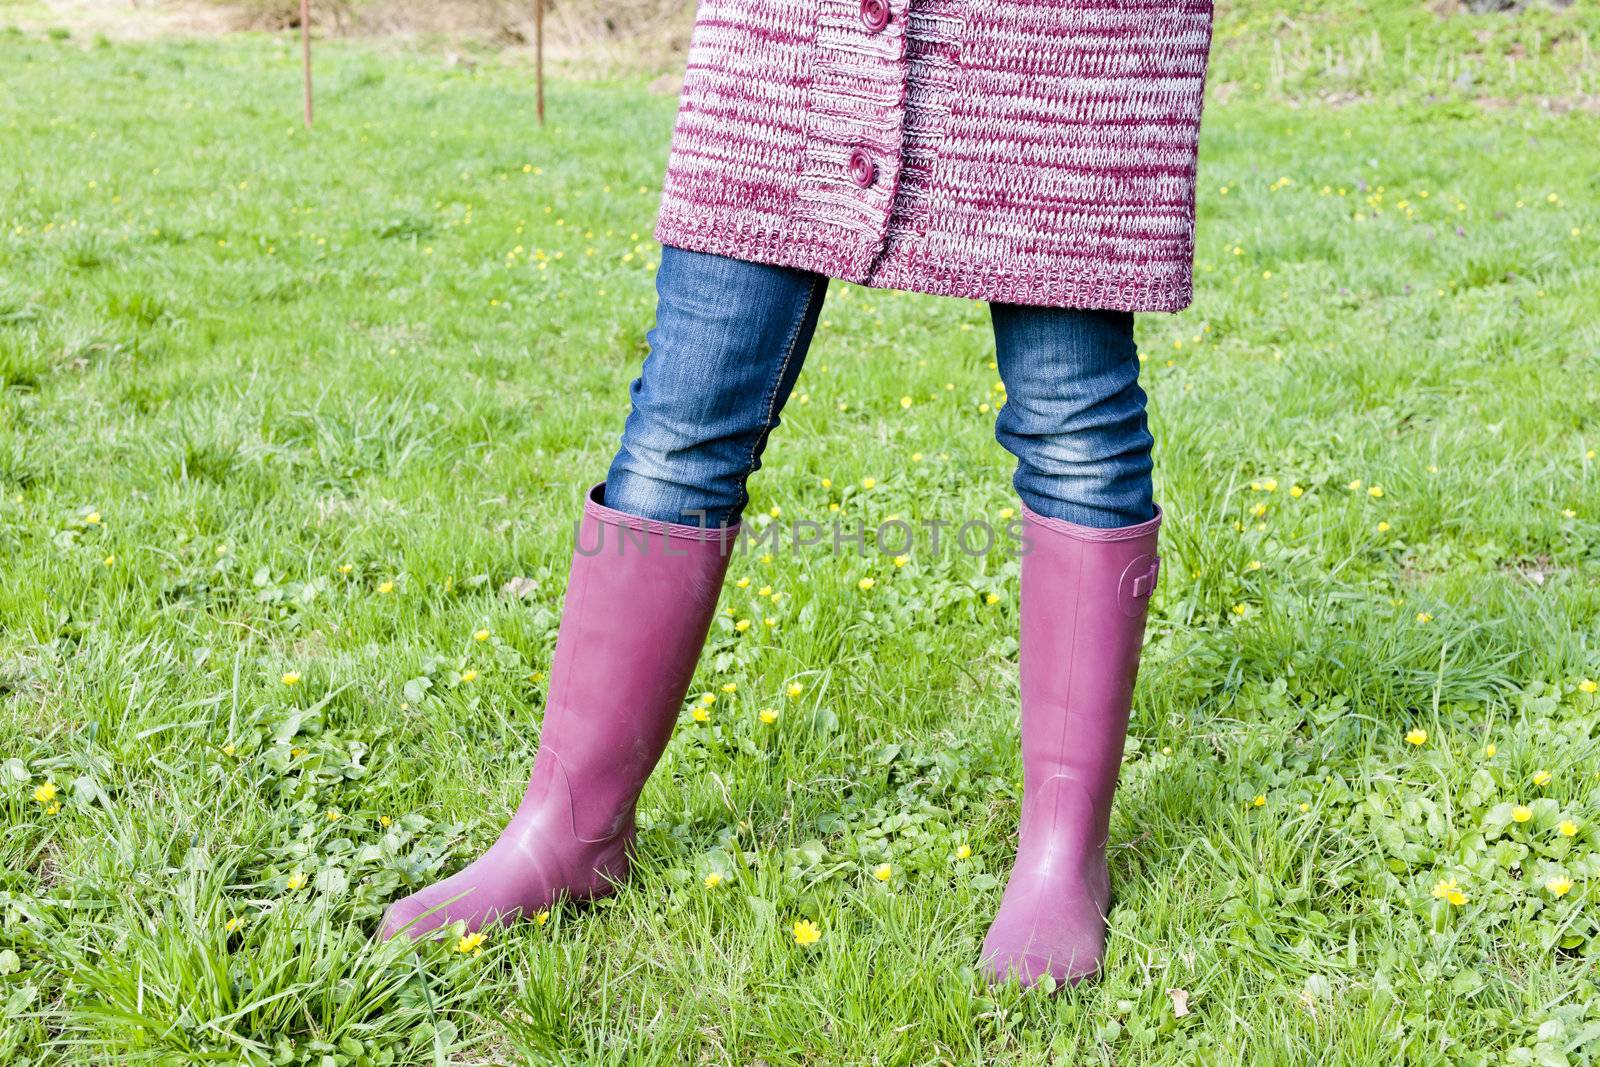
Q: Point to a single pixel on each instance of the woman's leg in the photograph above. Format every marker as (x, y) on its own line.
(1074, 417)
(652, 549)
(1074, 414)
(728, 343)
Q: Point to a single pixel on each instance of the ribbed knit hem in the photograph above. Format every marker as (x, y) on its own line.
(909, 266)
(800, 248)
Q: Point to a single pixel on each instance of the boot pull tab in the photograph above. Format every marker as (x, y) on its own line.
(1138, 582)
(1145, 584)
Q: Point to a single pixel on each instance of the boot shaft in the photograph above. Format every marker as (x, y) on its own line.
(640, 598)
(1084, 597)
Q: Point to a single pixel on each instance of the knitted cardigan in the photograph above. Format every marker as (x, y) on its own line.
(1025, 151)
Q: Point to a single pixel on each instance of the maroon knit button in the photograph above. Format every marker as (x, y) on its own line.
(862, 170)
(875, 13)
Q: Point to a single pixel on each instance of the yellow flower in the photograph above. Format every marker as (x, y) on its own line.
(1253, 565)
(1383, 527)
(481, 635)
(765, 590)
(868, 483)
(1304, 807)
(540, 918)
(1423, 616)
(1375, 491)
(1417, 737)
(1559, 887)
(713, 880)
(1259, 510)
(109, 561)
(708, 699)
(334, 815)
(469, 676)
(866, 583)
(1521, 813)
(385, 588)
(1006, 513)
(1490, 750)
(297, 880)
(769, 622)
(905, 401)
(702, 715)
(45, 793)
(1259, 800)
(1446, 889)
(1356, 484)
(1296, 492)
(1588, 685)
(963, 852)
(291, 678)
(92, 519)
(775, 511)
(233, 924)
(1567, 828)
(901, 561)
(385, 821)
(1541, 778)
(769, 715)
(883, 872)
(471, 943)
(743, 583)
(346, 568)
(1240, 609)
(992, 598)
(806, 932)
(229, 749)
(795, 689)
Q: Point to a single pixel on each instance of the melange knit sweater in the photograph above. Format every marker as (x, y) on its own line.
(1025, 151)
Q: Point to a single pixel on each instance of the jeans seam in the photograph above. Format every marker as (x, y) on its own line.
(772, 394)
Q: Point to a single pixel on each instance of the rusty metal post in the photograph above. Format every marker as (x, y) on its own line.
(538, 57)
(305, 52)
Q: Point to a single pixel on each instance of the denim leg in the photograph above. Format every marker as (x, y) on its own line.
(727, 346)
(1074, 414)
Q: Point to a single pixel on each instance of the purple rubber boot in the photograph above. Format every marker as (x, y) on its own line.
(639, 601)
(1084, 594)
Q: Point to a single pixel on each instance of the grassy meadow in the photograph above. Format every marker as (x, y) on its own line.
(294, 426)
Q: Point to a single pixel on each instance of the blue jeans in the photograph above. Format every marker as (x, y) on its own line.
(727, 346)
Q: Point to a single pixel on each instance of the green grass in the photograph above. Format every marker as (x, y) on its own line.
(248, 376)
